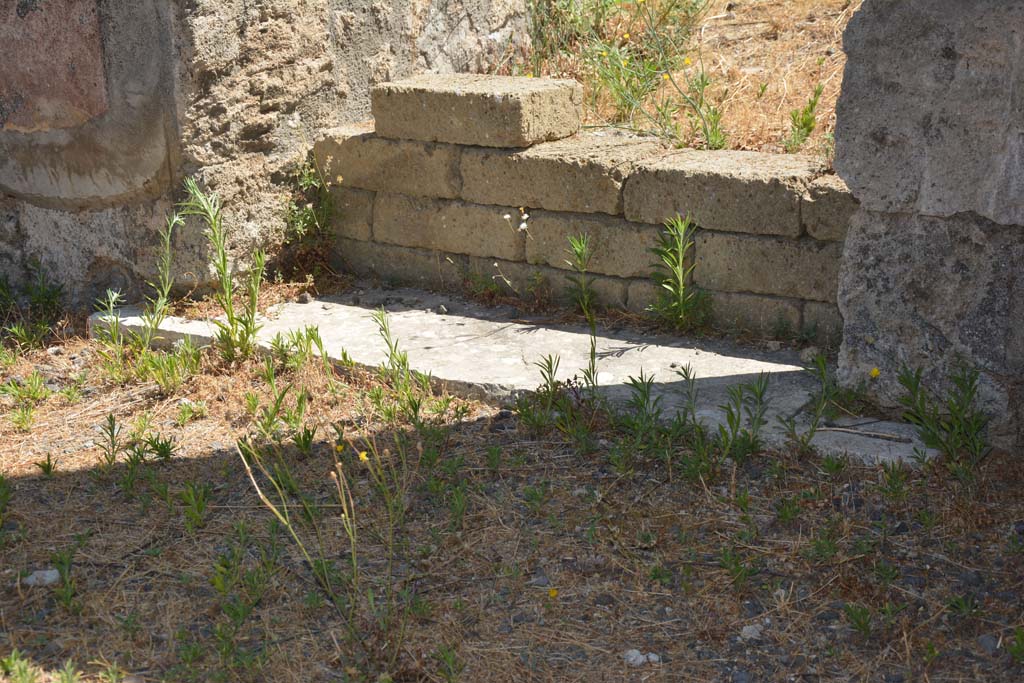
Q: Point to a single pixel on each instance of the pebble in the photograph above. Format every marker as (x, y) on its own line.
(42, 577)
(741, 676)
(972, 578)
(305, 298)
(55, 351)
(809, 354)
(637, 658)
(752, 608)
(988, 643)
(751, 632)
(540, 579)
(442, 310)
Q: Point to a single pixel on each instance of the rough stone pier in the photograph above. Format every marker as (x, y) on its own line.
(105, 107)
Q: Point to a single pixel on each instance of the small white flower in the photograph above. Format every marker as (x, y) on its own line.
(523, 226)
(525, 216)
(508, 216)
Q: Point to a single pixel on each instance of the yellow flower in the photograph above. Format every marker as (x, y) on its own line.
(338, 448)
(338, 179)
(363, 457)
(665, 76)
(553, 593)
(625, 36)
(875, 372)
(687, 61)
(529, 75)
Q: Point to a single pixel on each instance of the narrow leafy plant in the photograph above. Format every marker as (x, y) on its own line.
(679, 305)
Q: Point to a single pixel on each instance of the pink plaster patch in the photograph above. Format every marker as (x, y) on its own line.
(51, 64)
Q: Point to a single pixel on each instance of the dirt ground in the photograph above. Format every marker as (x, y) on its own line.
(569, 550)
(764, 59)
(788, 45)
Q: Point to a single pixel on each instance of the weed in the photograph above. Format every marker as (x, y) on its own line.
(28, 392)
(581, 252)
(22, 417)
(803, 122)
(833, 465)
(859, 617)
(160, 447)
(494, 458)
(964, 606)
(236, 335)
(787, 510)
(295, 349)
(886, 573)
(894, 481)
(19, 668)
(823, 399)
(537, 497)
(155, 310)
(1015, 645)
(308, 218)
(195, 498)
(643, 411)
(449, 663)
(660, 574)
(66, 590)
(28, 335)
(679, 305)
(170, 370)
(952, 425)
(739, 570)
(823, 546)
(68, 673)
(43, 294)
(189, 410)
(48, 466)
(6, 493)
(112, 337)
(457, 503)
(111, 445)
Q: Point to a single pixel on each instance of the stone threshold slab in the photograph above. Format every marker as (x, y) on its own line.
(488, 353)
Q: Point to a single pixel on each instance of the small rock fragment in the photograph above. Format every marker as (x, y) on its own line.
(42, 577)
(808, 355)
(634, 657)
(751, 632)
(988, 643)
(305, 298)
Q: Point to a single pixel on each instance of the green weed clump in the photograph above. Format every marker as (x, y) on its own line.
(951, 424)
(680, 305)
(803, 122)
(635, 58)
(308, 234)
(236, 334)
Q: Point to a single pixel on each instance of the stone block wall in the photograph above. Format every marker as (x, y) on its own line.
(431, 194)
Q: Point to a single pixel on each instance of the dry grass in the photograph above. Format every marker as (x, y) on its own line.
(561, 563)
(789, 46)
(764, 59)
